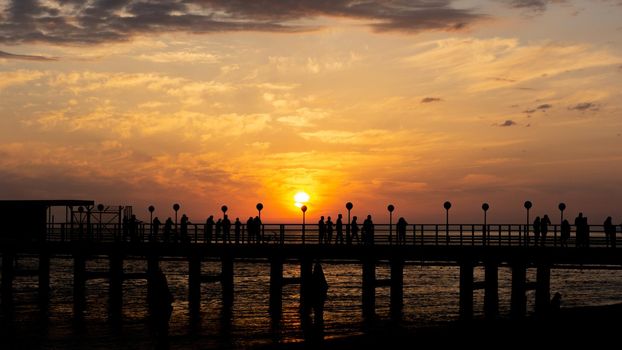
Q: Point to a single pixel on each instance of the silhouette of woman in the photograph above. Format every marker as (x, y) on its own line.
(565, 233)
(339, 229)
(168, 228)
(536, 229)
(401, 230)
(155, 229)
(355, 230)
(544, 229)
(610, 232)
(238, 230)
(209, 229)
(250, 232)
(329, 230)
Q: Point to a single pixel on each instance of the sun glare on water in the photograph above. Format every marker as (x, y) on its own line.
(300, 199)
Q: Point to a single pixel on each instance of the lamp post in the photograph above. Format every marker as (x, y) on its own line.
(259, 206)
(527, 206)
(390, 208)
(151, 210)
(176, 208)
(100, 208)
(562, 207)
(447, 205)
(485, 237)
(304, 210)
(349, 206)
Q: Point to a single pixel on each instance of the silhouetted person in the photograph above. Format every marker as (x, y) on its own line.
(250, 233)
(579, 230)
(155, 229)
(183, 229)
(257, 229)
(368, 231)
(339, 229)
(159, 301)
(537, 225)
(226, 229)
(400, 228)
(133, 223)
(544, 229)
(565, 233)
(218, 230)
(329, 230)
(354, 227)
(238, 230)
(209, 229)
(321, 230)
(168, 228)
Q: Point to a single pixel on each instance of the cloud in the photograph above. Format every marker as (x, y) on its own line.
(508, 122)
(544, 107)
(585, 106)
(93, 22)
(12, 56)
(532, 5)
(431, 99)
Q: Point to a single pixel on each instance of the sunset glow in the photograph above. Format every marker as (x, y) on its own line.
(211, 103)
(301, 198)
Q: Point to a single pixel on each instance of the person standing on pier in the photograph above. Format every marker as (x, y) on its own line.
(209, 229)
(250, 232)
(183, 229)
(168, 228)
(321, 230)
(226, 229)
(544, 229)
(238, 230)
(537, 225)
(218, 230)
(155, 229)
(580, 234)
(354, 227)
(257, 229)
(368, 231)
(401, 230)
(329, 230)
(339, 229)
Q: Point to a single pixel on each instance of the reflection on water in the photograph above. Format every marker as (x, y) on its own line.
(430, 297)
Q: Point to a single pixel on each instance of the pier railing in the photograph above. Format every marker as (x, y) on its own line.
(384, 234)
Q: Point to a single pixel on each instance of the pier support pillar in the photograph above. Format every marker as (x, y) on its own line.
(115, 287)
(44, 280)
(466, 290)
(397, 287)
(226, 281)
(306, 273)
(79, 284)
(491, 290)
(369, 287)
(8, 274)
(518, 307)
(276, 286)
(543, 288)
(194, 285)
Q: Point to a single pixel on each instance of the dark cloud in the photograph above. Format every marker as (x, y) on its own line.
(81, 22)
(584, 106)
(532, 5)
(544, 107)
(431, 99)
(12, 56)
(508, 122)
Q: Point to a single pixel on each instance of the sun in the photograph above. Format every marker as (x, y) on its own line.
(300, 199)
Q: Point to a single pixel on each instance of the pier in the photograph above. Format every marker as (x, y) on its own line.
(467, 246)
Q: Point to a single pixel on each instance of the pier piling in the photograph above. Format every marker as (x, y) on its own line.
(466, 290)
(491, 290)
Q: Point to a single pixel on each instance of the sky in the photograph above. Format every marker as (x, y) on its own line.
(376, 102)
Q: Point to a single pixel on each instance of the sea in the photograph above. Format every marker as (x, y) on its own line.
(431, 296)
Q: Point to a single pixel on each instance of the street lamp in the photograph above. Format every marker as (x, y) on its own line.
(259, 206)
(447, 205)
(485, 208)
(349, 206)
(304, 210)
(224, 210)
(527, 206)
(562, 207)
(390, 208)
(176, 208)
(151, 210)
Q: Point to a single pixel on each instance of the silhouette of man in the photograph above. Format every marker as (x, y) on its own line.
(209, 229)
(257, 229)
(329, 230)
(536, 229)
(226, 229)
(183, 229)
(339, 229)
(168, 228)
(354, 227)
(579, 229)
(155, 229)
(368, 231)
(401, 230)
(544, 229)
(250, 232)
(321, 230)
(238, 230)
